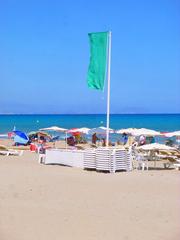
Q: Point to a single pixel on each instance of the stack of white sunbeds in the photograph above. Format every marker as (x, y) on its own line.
(90, 159)
(107, 159)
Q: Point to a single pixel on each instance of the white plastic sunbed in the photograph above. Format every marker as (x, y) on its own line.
(11, 152)
(90, 159)
(107, 159)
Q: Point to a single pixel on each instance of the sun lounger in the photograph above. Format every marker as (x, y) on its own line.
(107, 159)
(122, 160)
(4, 152)
(104, 160)
(12, 152)
(90, 159)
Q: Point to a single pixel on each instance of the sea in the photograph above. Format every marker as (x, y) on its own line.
(28, 123)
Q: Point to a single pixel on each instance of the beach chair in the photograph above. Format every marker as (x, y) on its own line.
(142, 162)
(90, 159)
(4, 152)
(12, 152)
(104, 159)
(132, 154)
(15, 152)
(122, 160)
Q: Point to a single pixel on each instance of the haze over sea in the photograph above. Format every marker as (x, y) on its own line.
(27, 123)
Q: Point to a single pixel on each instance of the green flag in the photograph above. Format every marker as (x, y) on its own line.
(98, 60)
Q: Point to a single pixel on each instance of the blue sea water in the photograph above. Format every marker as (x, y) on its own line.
(27, 123)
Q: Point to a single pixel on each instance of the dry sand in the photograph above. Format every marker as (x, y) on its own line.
(39, 202)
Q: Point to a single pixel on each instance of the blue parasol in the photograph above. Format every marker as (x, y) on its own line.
(20, 137)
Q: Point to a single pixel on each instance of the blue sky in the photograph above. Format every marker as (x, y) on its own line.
(44, 56)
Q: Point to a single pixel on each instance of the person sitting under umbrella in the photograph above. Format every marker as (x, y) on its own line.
(125, 138)
(71, 141)
(142, 140)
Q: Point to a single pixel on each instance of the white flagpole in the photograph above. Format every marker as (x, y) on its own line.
(108, 88)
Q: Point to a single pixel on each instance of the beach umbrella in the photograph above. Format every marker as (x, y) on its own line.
(139, 132)
(126, 130)
(74, 132)
(54, 128)
(79, 131)
(156, 146)
(153, 147)
(83, 130)
(32, 133)
(172, 134)
(38, 134)
(20, 137)
(146, 132)
(100, 130)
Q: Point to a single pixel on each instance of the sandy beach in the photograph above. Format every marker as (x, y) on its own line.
(57, 202)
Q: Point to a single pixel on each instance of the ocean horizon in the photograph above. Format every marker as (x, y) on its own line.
(29, 122)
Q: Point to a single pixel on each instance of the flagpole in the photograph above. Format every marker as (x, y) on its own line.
(108, 88)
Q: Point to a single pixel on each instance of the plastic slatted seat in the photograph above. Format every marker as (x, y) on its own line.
(90, 159)
(121, 160)
(142, 162)
(129, 161)
(107, 159)
(120, 163)
(104, 159)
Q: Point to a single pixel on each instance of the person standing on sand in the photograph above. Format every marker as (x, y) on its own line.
(94, 138)
(125, 138)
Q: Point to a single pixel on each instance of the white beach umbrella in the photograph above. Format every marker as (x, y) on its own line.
(172, 134)
(146, 132)
(126, 130)
(139, 132)
(54, 128)
(100, 130)
(155, 146)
